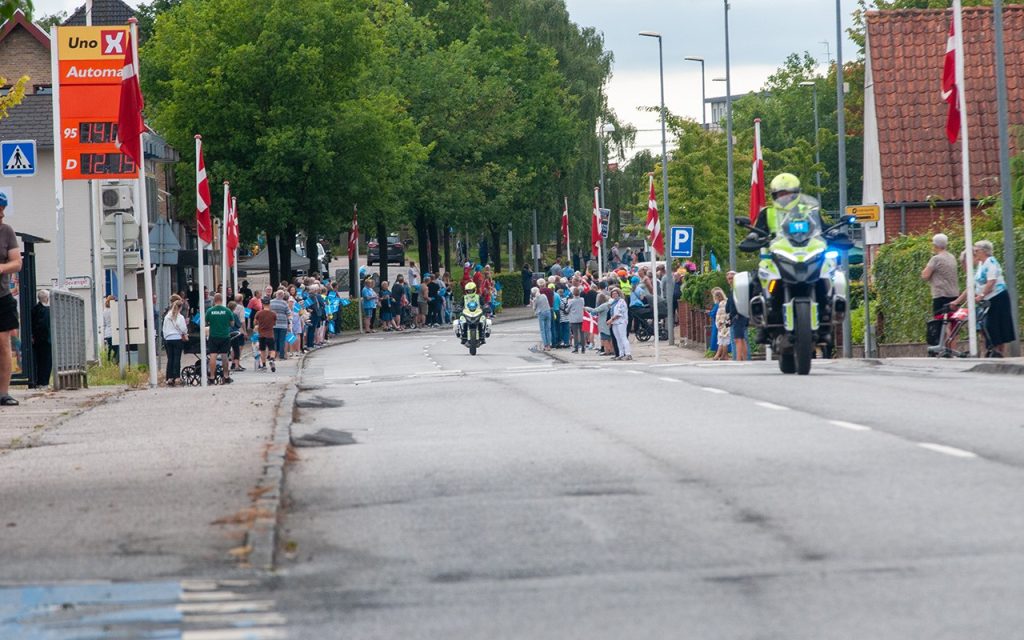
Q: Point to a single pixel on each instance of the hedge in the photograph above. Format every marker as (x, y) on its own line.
(904, 299)
(697, 287)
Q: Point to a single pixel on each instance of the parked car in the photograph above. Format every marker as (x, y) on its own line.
(396, 251)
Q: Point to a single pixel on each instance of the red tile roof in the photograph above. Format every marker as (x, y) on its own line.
(907, 48)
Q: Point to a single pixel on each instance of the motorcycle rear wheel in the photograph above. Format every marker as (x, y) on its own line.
(804, 338)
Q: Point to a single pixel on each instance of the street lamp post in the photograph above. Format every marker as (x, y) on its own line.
(728, 135)
(841, 126)
(703, 97)
(817, 149)
(664, 178)
(606, 129)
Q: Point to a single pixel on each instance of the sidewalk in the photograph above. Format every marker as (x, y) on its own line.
(112, 483)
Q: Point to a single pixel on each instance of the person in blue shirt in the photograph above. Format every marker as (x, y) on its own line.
(369, 304)
(639, 304)
(990, 288)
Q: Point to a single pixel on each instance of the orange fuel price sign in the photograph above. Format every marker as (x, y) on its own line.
(89, 61)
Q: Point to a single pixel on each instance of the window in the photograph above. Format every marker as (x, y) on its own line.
(42, 89)
(4, 90)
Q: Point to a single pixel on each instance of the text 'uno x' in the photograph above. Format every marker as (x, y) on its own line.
(113, 43)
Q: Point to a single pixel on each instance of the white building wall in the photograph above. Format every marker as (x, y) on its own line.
(874, 233)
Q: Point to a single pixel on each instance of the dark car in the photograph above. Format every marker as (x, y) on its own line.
(396, 251)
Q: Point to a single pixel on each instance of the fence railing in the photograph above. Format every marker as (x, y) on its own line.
(67, 336)
(694, 324)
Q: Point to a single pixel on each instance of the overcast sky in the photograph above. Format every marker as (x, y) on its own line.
(762, 33)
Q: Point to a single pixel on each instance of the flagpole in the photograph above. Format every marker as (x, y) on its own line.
(202, 276)
(234, 251)
(965, 172)
(224, 242)
(147, 274)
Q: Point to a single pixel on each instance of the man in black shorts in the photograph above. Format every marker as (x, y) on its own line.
(10, 262)
(220, 320)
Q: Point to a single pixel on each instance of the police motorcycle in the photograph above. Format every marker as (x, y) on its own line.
(800, 294)
(472, 327)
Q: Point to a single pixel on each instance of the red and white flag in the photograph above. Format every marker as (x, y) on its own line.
(204, 226)
(233, 231)
(657, 240)
(757, 197)
(595, 229)
(353, 235)
(589, 323)
(950, 92)
(565, 226)
(129, 115)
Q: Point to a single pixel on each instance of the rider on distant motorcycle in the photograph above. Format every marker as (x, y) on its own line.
(470, 294)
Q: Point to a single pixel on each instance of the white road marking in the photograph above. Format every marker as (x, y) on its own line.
(849, 425)
(772, 406)
(235, 634)
(362, 381)
(714, 390)
(633, 371)
(668, 379)
(949, 451)
(201, 608)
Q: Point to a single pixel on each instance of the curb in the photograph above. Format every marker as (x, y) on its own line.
(262, 536)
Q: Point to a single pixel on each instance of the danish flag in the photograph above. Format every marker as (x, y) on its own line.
(353, 235)
(950, 92)
(654, 222)
(204, 227)
(589, 323)
(757, 199)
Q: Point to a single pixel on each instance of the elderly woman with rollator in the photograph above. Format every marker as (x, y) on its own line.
(990, 288)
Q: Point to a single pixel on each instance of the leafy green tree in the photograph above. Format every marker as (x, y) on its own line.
(281, 94)
(8, 7)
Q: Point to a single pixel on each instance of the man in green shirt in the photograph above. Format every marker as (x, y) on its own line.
(220, 320)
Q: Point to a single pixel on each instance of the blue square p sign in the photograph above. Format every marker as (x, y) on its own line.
(17, 158)
(682, 242)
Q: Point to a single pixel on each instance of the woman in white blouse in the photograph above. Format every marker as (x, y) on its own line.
(175, 332)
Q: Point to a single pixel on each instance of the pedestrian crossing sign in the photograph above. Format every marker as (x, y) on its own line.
(18, 158)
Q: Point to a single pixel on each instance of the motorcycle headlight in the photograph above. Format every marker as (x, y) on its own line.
(794, 271)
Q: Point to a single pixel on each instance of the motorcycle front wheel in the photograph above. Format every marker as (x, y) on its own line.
(472, 350)
(803, 338)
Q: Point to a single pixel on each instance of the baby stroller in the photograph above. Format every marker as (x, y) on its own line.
(944, 331)
(192, 374)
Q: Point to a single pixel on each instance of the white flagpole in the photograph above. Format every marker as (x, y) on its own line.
(224, 243)
(234, 222)
(202, 276)
(147, 273)
(965, 155)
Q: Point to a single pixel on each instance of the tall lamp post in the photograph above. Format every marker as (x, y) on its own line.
(664, 179)
(817, 149)
(703, 97)
(728, 135)
(606, 129)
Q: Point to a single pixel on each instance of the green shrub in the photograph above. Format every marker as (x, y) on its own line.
(903, 297)
(511, 288)
(697, 288)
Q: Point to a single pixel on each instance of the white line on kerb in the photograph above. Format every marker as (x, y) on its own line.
(849, 425)
(773, 407)
(714, 390)
(949, 451)
(668, 379)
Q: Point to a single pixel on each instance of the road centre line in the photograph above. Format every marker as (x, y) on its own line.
(849, 425)
(669, 379)
(772, 406)
(949, 451)
(714, 390)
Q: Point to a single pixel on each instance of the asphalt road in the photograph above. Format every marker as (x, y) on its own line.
(512, 496)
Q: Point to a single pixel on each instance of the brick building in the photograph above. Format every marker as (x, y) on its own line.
(25, 50)
(909, 165)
